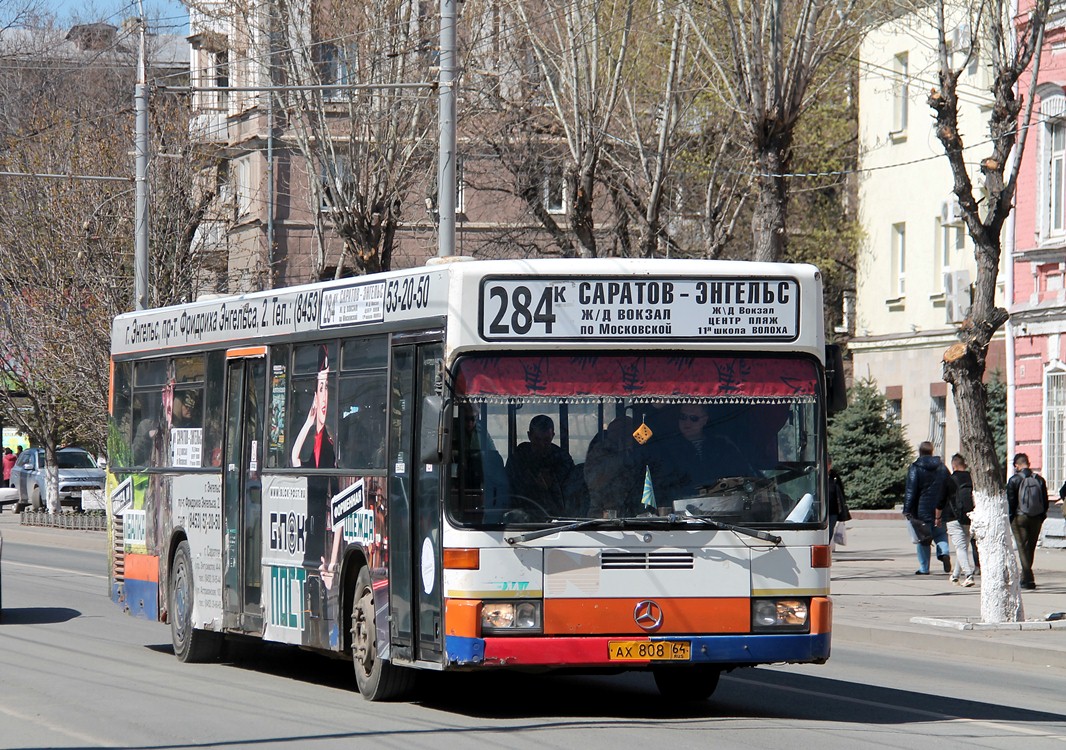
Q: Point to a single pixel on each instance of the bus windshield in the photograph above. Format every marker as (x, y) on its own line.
(540, 439)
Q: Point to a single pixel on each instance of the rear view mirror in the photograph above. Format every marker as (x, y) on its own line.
(836, 389)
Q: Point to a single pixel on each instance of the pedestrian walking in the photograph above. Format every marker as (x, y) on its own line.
(953, 512)
(836, 501)
(1027, 506)
(928, 481)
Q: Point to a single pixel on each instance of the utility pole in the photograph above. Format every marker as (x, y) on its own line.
(140, 221)
(446, 136)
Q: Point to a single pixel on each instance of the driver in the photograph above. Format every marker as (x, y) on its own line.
(539, 469)
(692, 457)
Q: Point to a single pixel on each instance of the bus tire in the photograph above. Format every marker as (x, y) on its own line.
(378, 680)
(190, 644)
(690, 683)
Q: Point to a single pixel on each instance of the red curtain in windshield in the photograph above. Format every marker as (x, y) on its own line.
(636, 376)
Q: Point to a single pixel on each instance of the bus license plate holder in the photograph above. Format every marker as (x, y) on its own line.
(649, 650)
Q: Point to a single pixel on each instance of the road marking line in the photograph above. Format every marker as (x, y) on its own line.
(54, 570)
(918, 711)
(41, 721)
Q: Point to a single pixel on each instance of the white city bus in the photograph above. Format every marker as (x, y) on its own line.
(592, 464)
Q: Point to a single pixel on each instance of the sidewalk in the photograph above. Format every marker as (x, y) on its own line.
(878, 600)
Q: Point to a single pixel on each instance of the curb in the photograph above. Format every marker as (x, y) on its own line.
(944, 641)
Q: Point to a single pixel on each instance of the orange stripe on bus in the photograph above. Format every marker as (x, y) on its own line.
(142, 567)
(821, 615)
(246, 351)
(617, 616)
(462, 617)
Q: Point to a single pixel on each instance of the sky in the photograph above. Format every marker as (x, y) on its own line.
(164, 16)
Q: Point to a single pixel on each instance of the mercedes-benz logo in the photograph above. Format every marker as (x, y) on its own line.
(648, 615)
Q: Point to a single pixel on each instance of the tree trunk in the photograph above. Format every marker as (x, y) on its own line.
(768, 225)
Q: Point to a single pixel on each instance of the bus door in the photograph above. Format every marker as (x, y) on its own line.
(242, 498)
(414, 517)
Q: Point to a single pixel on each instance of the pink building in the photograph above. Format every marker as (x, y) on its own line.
(1035, 272)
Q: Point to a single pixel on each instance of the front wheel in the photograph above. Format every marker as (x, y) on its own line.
(378, 680)
(692, 683)
(190, 644)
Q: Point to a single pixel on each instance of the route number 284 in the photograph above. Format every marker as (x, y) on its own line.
(515, 312)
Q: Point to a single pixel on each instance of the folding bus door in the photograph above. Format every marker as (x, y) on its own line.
(415, 599)
(242, 496)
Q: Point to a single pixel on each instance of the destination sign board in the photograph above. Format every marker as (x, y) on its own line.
(629, 309)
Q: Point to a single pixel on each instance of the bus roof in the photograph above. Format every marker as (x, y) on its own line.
(536, 303)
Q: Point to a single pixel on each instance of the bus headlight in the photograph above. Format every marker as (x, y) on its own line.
(780, 615)
(510, 618)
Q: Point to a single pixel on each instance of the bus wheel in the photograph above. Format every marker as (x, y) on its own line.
(378, 680)
(692, 683)
(190, 644)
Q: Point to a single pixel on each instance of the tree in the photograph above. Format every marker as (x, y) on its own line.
(1012, 49)
(363, 148)
(869, 449)
(65, 210)
(769, 61)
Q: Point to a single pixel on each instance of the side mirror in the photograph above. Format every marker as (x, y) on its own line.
(836, 390)
(431, 430)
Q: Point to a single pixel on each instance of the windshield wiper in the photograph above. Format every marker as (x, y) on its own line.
(588, 523)
(723, 526)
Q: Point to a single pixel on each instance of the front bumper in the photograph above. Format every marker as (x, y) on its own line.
(729, 650)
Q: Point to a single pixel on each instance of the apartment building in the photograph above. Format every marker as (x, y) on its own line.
(916, 266)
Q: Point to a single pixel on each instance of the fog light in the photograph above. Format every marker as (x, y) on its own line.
(526, 616)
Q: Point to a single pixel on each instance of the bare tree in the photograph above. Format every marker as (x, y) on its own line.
(65, 209)
(364, 148)
(1013, 50)
(767, 60)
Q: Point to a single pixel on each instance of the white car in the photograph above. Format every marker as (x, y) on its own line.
(78, 471)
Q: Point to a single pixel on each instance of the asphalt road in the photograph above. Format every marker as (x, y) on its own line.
(75, 672)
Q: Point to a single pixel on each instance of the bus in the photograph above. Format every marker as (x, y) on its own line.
(600, 465)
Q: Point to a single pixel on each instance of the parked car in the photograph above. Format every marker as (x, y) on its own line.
(77, 471)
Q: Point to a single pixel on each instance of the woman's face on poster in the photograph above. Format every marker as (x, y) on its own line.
(321, 399)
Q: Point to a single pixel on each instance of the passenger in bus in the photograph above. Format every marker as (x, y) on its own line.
(538, 470)
(480, 465)
(614, 471)
(318, 452)
(691, 457)
(186, 409)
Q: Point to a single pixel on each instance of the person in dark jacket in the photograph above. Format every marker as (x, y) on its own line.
(953, 513)
(1026, 528)
(928, 481)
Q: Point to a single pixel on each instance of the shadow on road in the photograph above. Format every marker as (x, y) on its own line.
(38, 615)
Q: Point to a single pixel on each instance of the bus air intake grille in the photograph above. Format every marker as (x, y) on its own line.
(646, 561)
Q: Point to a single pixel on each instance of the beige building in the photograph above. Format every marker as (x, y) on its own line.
(916, 266)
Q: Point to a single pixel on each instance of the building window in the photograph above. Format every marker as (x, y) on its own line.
(1055, 427)
(242, 184)
(1056, 175)
(553, 191)
(902, 95)
(938, 421)
(894, 410)
(899, 259)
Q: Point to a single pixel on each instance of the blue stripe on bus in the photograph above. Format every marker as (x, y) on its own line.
(757, 649)
(461, 650)
(142, 598)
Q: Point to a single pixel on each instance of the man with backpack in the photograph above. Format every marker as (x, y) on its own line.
(953, 511)
(1027, 505)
